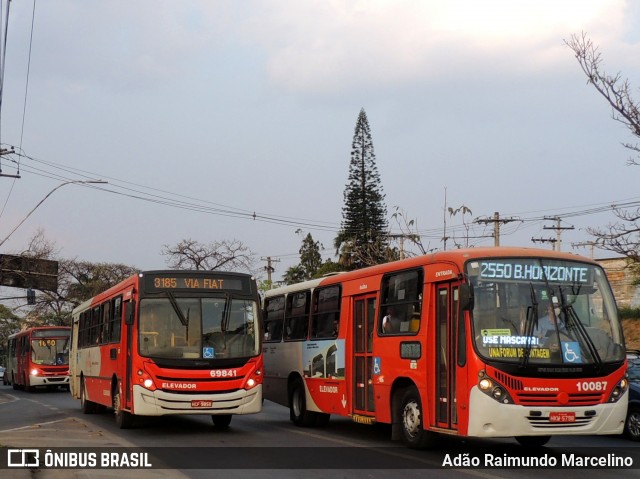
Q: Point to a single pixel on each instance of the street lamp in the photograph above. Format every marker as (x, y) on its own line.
(43, 199)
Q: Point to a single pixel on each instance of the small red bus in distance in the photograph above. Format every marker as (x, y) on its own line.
(38, 356)
(483, 342)
(170, 342)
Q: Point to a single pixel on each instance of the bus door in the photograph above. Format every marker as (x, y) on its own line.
(129, 338)
(364, 308)
(447, 310)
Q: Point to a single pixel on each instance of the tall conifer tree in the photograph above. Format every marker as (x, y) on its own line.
(363, 238)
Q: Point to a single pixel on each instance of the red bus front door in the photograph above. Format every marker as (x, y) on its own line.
(364, 309)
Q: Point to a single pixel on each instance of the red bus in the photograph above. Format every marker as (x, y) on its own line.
(447, 343)
(170, 342)
(37, 357)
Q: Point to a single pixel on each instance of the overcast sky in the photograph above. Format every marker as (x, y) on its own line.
(201, 113)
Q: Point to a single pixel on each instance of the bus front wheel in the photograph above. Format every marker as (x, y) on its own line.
(533, 441)
(124, 419)
(298, 406)
(221, 421)
(412, 416)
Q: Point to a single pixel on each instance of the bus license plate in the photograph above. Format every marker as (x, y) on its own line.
(562, 417)
(200, 403)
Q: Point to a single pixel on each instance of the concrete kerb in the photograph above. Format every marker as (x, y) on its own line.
(71, 432)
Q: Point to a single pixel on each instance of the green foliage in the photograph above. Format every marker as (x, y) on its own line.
(363, 237)
(629, 313)
(9, 324)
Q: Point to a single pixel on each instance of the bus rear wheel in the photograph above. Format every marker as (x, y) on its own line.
(413, 433)
(298, 406)
(221, 421)
(124, 419)
(533, 441)
(87, 407)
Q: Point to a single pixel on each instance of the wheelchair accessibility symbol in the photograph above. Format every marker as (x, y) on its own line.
(571, 352)
(377, 366)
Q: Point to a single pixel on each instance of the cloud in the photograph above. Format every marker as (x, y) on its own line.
(329, 45)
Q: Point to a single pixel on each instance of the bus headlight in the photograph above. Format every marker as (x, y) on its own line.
(493, 389)
(618, 390)
(254, 379)
(34, 372)
(145, 380)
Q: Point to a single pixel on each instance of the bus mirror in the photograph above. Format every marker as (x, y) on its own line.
(129, 309)
(466, 297)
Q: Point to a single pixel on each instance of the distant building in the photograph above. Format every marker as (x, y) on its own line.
(627, 293)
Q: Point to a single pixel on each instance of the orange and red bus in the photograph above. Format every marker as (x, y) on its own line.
(38, 356)
(447, 343)
(170, 342)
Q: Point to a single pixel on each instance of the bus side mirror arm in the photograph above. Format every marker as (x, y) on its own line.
(129, 310)
(466, 297)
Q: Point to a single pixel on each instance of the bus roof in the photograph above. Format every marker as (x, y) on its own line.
(457, 256)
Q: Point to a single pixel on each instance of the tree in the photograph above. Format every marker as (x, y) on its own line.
(310, 261)
(223, 255)
(77, 282)
(621, 237)
(363, 237)
(9, 324)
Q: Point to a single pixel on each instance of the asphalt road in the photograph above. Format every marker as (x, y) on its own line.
(268, 445)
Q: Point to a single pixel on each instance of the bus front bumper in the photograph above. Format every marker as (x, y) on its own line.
(489, 418)
(160, 403)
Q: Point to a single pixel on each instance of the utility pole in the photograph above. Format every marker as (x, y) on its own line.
(401, 238)
(545, 240)
(497, 221)
(590, 244)
(4, 151)
(558, 229)
(268, 268)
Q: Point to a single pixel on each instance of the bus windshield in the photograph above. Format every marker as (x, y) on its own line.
(542, 311)
(198, 328)
(50, 351)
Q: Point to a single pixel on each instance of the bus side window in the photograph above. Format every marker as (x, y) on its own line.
(273, 319)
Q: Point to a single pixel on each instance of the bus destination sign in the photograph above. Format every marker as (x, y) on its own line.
(526, 270)
(191, 282)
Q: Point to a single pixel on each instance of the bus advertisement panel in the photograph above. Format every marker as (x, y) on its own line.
(38, 357)
(170, 342)
(484, 342)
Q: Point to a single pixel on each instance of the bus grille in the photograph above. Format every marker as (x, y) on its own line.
(547, 399)
(508, 381)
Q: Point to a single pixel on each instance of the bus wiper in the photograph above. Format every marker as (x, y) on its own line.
(573, 322)
(176, 308)
(531, 322)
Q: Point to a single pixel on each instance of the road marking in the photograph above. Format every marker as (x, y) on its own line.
(31, 426)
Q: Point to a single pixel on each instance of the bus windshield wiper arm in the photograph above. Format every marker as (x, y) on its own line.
(531, 322)
(573, 322)
(176, 308)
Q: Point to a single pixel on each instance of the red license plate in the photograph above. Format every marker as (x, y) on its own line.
(200, 403)
(562, 417)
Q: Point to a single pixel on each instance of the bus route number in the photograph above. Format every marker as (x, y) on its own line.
(591, 386)
(45, 343)
(165, 283)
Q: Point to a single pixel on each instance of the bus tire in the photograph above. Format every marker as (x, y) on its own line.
(298, 406)
(412, 418)
(27, 386)
(221, 421)
(87, 407)
(322, 419)
(124, 419)
(533, 441)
